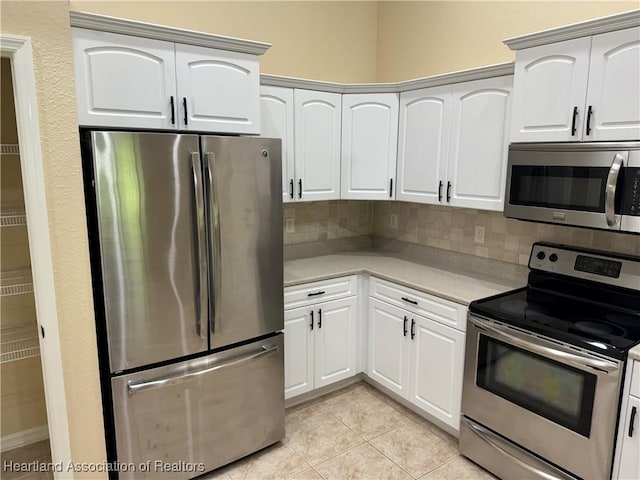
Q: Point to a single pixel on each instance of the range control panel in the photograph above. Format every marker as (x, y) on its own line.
(589, 265)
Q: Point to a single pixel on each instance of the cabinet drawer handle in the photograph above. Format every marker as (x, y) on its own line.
(404, 326)
(634, 410)
(291, 189)
(173, 112)
(573, 121)
(589, 113)
(300, 188)
(448, 192)
(440, 191)
(314, 294)
(186, 116)
(413, 328)
(319, 318)
(413, 302)
(311, 324)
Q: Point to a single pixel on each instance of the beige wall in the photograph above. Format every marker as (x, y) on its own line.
(332, 41)
(417, 39)
(47, 24)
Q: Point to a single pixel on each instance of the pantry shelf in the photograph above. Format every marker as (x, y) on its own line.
(16, 281)
(12, 217)
(19, 342)
(9, 149)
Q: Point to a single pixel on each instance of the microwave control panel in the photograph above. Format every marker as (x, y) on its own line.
(631, 195)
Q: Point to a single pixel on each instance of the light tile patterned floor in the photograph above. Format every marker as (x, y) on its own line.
(357, 433)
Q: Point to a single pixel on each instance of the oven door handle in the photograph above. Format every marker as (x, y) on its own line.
(557, 353)
(610, 190)
(490, 438)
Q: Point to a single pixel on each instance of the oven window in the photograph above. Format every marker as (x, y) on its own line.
(558, 392)
(570, 188)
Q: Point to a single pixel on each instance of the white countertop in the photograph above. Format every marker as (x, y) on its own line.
(634, 353)
(458, 286)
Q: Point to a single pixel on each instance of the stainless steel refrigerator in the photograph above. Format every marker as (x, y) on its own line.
(186, 246)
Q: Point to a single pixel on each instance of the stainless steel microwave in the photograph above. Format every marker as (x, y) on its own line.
(595, 185)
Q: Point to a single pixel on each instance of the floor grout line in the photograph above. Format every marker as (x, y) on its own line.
(394, 462)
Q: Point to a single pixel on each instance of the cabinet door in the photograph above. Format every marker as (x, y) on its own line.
(614, 92)
(479, 143)
(437, 357)
(423, 144)
(335, 341)
(388, 346)
(550, 82)
(276, 121)
(317, 120)
(369, 145)
(123, 81)
(219, 91)
(298, 352)
(630, 458)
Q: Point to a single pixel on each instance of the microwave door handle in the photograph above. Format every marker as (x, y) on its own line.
(610, 190)
(557, 353)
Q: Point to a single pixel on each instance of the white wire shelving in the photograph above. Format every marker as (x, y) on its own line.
(15, 281)
(12, 216)
(9, 149)
(18, 342)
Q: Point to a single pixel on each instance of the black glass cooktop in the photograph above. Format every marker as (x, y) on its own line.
(601, 320)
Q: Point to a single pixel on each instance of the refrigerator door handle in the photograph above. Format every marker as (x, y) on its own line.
(201, 252)
(213, 214)
(134, 387)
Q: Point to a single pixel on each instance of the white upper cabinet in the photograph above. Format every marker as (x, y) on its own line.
(423, 144)
(276, 120)
(317, 120)
(124, 81)
(369, 145)
(127, 81)
(479, 143)
(550, 85)
(219, 91)
(614, 87)
(584, 89)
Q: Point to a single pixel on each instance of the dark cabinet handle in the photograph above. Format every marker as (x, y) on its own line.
(391, 188)
(573, 121)
(589, 113)
(413, 328)
(409, 300)
(448, 192)
(404, 326)
(321, 292)
(311, 324)
(319, 318)
(300, 188)
(291, 189)
(173, 112)
(440, 191)
(634, 410)
(186, 116)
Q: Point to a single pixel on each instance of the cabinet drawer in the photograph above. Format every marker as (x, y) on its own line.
(635, 379)
(430, 306)
(314, 292)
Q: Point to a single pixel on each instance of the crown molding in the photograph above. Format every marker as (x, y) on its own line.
(490, 71)
(619, 21)
(109, 24)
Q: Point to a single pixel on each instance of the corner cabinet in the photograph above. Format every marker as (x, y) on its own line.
(369, 144)
(319, 337)
(453, 144)
(585, 89)
(125, 81)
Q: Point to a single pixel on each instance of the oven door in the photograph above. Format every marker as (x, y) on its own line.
(558, 402)
(566, 184)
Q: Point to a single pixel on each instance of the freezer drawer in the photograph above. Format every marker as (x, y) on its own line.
(210, 410)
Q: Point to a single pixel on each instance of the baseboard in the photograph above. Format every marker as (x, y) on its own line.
(23, 438)
(305, 397)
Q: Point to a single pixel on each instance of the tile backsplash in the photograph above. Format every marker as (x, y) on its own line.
(504, 239)
(443, 227)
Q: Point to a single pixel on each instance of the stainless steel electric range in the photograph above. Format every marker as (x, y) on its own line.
(544, 366)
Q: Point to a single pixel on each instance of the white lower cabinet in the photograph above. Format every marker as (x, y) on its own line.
(628, 461)
(417, 358)
(319, 345)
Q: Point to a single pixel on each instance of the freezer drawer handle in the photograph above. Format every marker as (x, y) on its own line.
(486, 435)
(134, 387)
